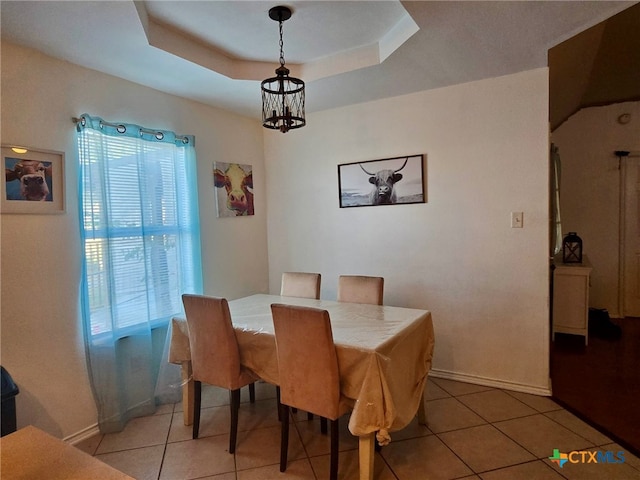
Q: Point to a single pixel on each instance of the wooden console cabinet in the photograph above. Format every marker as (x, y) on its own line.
(571, 298)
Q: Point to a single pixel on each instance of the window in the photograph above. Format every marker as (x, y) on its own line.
(139, 224)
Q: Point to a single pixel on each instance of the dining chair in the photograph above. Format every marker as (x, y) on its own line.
(303, 285)
(360, 289)
(308, 371)
(300, 284)
(215, 356)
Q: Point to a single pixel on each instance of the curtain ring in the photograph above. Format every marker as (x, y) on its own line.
(159, 135)
(121, 128)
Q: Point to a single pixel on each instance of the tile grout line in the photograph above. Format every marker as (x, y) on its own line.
(166, 442)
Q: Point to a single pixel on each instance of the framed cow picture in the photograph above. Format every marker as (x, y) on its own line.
(234, 189)
(389, 181)
(34, 181)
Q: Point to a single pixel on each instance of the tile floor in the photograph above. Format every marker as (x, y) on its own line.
(473, 432)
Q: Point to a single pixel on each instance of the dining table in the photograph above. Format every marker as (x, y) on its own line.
(31, 453)
(384, 356)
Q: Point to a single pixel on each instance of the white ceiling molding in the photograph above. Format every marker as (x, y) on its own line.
(171, 39)
(394, 38)
(175, 42)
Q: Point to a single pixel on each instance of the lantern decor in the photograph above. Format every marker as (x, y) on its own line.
(282, 95)
(572, 248)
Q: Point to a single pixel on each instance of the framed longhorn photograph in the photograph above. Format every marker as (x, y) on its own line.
(389, 181)
(34, 181)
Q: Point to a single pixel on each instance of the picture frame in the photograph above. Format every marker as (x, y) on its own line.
(34, 181)
(388, 181)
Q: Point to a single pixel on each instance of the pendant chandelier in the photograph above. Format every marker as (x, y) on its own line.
(282, 95)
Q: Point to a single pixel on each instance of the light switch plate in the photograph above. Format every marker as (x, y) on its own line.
(516, 219)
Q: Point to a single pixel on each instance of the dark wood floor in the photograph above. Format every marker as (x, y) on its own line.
(600, 383)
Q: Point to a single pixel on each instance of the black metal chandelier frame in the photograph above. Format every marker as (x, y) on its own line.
(282, 95)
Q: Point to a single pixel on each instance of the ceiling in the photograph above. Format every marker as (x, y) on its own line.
(599, 66)
(216, 52)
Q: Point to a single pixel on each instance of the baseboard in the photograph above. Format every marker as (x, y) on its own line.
(491, 382)
(82, 435)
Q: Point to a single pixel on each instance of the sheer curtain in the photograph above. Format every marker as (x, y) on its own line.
(141, 237)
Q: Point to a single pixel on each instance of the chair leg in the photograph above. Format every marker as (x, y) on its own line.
(333, 471)
(235, 406)
(323, 425)
(279, 405)
(252, 392)
(197, 400)
(422, 412)
(284, 436)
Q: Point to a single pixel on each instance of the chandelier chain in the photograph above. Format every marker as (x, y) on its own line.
(281, 45)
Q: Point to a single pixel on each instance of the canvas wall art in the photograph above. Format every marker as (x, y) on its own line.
(234, 189)
(389, 181)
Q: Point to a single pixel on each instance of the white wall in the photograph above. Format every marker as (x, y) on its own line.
(486, 284)
(42, 344)
(486, 145)
(590, 189)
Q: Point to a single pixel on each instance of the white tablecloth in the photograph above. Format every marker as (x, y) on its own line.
(384, 355)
